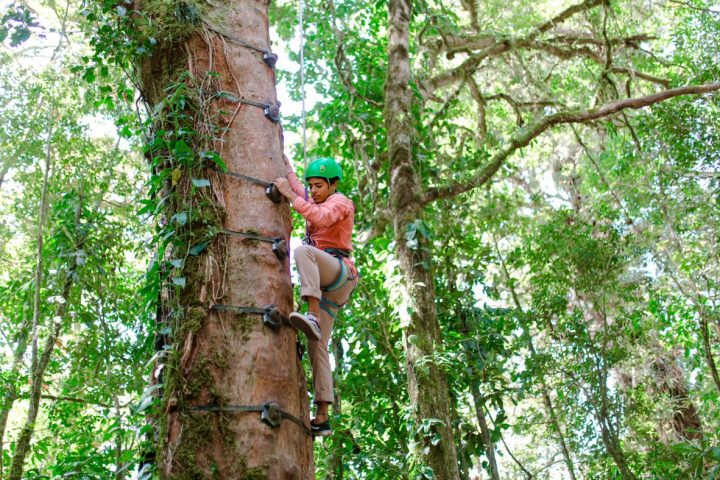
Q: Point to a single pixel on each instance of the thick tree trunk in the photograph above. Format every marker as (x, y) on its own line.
(427, 383)
(222, 358)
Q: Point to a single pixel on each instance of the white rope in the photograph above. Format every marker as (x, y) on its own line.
(302, 81)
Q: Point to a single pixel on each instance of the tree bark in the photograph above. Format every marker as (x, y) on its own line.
(221, 358)
(427, 383)
(10, 390)
(485, 431)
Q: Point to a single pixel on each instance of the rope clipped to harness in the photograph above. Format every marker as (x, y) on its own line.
(271, 190)
(279, 245)
(270, 413)
(271, 110)
(268, 57)
(271, 316)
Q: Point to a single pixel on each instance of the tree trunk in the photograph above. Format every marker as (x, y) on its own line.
(427, 383)
(10, 392)
(609, 433)
(485, 431)
(222, 358)
(335, 470)
(40, 364)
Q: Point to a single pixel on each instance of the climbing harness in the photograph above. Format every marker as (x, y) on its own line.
(337, 252)
(279, 245)
(271, 111)
(341, 280)
(271, 190)
(270, 413)
(269, 58)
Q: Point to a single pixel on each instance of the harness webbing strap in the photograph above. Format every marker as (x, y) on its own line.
(235, 39)
(271, 110)
(250, 236)
(236, 309)
(247, 178)
(340, 280)
(268, 57)
(271, 413)
(271, 190)
(330, 303)
(271, 316)
(279, 245)
(328, 311)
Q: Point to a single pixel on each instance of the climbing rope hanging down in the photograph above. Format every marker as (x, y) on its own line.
(301, 7)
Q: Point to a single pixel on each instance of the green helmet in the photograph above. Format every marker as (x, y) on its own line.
(326, 168)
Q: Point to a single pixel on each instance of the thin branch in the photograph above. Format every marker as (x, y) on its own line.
(480, 100)
(525, 135)
(693, 7)
(501, 45)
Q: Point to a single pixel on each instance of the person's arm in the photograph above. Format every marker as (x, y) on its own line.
(293, 179)
(323, 214)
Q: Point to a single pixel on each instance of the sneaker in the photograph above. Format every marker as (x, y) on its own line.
(307, 324)
(320, 429)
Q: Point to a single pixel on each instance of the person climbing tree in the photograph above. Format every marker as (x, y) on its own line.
(327, 273)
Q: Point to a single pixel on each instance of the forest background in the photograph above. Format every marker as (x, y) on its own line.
(576, 283)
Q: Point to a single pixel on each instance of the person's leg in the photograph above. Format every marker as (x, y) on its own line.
(316, 268)
(330, 305)
(321, 369)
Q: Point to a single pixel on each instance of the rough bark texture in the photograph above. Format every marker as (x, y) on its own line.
(427, 383)
(225, 358)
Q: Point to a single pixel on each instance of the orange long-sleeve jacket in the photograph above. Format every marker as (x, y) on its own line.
(330, 223)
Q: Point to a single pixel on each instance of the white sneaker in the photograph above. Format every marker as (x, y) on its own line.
(308, 324)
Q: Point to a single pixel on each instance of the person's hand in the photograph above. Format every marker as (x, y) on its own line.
(283, 187)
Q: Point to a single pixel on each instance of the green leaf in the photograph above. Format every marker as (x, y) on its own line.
(180, 218)
(182, 150)
(89, 75)
(179, 281)
(197, 249)
(215, 158)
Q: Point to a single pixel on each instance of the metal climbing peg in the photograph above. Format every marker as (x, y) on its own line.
(270, 59)
(271, 414)
(272, 318)
(279, 248)
(273, 193)
(272, 113)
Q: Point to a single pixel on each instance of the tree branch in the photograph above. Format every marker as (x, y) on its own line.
(524, 136)
(492, 47)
